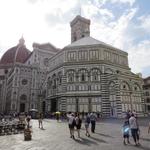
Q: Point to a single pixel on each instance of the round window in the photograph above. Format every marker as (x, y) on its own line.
(24, 81)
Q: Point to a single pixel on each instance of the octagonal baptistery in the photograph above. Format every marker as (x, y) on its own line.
(17, 53)
(91, 76)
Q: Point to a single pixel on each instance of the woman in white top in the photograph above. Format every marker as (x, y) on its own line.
(134, 129)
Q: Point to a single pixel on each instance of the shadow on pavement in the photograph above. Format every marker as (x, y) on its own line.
(42, 129)
(105, 135)
(144, 148)
(85, 141)
(141, 147)
(98, 140)
(145, 139)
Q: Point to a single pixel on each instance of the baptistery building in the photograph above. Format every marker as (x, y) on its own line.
(89, 75)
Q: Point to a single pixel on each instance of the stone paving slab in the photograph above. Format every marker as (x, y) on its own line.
(55, 136)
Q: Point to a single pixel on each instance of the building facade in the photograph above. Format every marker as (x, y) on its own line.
(89, 75)
(146, 94)
(22, 75)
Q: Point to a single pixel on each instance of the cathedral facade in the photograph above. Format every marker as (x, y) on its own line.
(22, 76)
(86, 76)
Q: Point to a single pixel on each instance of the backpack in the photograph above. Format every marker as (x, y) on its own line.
(74, 122)
(88, 119)
(80, 121)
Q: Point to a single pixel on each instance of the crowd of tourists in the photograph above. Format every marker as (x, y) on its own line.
(75, 121)
(15, 122)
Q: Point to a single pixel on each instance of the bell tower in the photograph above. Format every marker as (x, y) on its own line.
(80, 27)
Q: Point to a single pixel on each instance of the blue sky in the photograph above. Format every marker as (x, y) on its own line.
(124, 24)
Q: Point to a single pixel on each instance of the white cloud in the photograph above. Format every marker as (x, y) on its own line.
(139, 56)
(145, 22)
(131, 2)
(29, 18)
(114, 32)
(102, 2)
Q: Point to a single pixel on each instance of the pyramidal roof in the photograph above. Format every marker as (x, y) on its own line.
(87, 41)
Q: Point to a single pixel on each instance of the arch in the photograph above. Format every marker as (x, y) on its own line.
(95, 74)
(81, 69)
(70, 70)
(54, 75)
(23, 97)
(59, 77)
(71, 73)
(59, 73)
(54, 81)
(111, 85)
(112, 99)
(49, 78)
(83, 74)
(49, 82)
(95, 68)
(136, 87)
(124, 85)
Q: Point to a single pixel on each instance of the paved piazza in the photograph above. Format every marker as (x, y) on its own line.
(108, 136)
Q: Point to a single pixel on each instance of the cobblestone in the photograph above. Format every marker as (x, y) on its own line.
(55, 136)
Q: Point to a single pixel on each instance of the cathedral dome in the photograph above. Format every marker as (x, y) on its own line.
(17, 53)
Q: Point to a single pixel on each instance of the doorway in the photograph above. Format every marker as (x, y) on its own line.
(113, 106)
(22, 107)
(43, 106)
(54, 105)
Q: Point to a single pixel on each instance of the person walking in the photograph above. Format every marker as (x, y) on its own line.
(40, 119)
(87, 123)
(134, 129)
(78, 123)
(134, 113)
(57, 116)
(128, 114)
(71, 124)
(93, 118)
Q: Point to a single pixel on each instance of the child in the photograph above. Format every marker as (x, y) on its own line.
(126, 132)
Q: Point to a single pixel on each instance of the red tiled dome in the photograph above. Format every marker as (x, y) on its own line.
(18, 53)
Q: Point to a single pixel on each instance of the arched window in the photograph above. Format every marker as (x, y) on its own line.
(125, 86)
(71, 76)
(83, 75)
(59, 78)
(136, 87)
(95, 75)
(74, 37)
(111, 86)
(54, 83)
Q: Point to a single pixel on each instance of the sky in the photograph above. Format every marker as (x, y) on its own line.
(124, 24)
